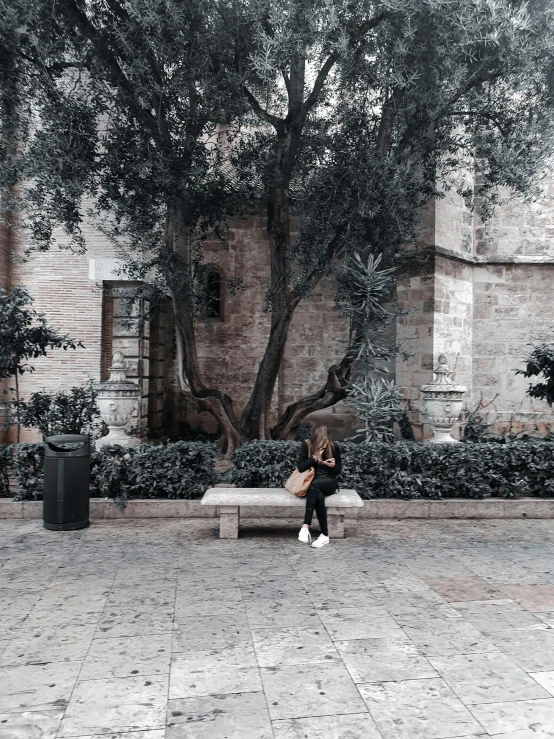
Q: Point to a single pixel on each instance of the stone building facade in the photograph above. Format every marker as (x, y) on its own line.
(478, 294)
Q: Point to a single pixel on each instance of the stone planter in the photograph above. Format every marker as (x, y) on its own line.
(117, 398)
(442, 400)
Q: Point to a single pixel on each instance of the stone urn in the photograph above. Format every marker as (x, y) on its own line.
(442, 400)
(117, 399)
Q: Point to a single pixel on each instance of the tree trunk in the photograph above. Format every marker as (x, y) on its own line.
(17, 404)
(259, 404)
(332, 392)
(282, 300)
(212, 400)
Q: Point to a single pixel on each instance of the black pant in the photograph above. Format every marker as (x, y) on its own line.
(320, 488)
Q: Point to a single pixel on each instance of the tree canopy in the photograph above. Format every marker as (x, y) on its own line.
(168, 116)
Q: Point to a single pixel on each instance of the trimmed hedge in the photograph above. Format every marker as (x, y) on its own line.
(410, 470)
(28, 469)
(179, 470)
(404, 469)
(5, 464)
(182, 469)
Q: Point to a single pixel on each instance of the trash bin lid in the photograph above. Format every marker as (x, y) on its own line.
(76, 445)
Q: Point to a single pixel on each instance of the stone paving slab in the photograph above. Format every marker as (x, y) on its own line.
(156, 629)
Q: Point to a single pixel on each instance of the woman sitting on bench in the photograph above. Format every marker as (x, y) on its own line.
(324, 456)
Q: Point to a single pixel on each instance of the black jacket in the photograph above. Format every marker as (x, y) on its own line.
(305, 461)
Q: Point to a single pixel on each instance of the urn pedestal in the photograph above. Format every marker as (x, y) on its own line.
(442, 400)
(117, 398)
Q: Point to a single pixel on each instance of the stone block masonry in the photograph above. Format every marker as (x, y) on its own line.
(511, 309)
(480, 307)
(480, 294)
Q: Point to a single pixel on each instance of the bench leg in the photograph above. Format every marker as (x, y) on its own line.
(335, 522)
(229, 522)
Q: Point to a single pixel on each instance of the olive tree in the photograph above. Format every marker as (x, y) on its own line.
(344, 116)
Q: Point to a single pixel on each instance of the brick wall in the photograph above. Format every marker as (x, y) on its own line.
(59, 282)
(480, 305)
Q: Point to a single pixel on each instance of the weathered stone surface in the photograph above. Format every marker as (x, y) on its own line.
(11, 509)
(186, 635)
(159, 509)
(32, 509)
(229, 522)
(377, 508)
(335, 520)
(391, 508)
(275, 497)
(467, 508)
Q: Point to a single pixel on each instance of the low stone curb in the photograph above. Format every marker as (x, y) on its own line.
(382, 508)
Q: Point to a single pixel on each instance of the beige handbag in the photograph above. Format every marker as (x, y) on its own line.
(299, 482)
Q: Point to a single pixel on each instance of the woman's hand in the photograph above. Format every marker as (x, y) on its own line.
(329, 462)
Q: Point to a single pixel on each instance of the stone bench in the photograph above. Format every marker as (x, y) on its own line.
(230, 500)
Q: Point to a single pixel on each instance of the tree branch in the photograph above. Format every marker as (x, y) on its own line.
(273, 120)
(104, 52)
(120, 12)
(482, 114)
(474, 79)
(317, 273)
(286, 80)
(332, 392)
(322, 75)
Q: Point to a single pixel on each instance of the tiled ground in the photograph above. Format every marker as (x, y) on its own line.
(158, 630)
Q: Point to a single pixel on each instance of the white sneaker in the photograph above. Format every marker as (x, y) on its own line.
(321, 541)
(304, 536)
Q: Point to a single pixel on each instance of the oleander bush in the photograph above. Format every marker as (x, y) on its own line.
(408, 470)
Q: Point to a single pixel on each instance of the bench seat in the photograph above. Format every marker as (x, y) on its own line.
(230, 500)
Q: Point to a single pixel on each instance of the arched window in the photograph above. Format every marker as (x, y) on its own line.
(213, 294)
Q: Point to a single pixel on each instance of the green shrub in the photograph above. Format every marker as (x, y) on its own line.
(263, 464)
(67, 412)
(111, 473)
(179, 470)
(414, 470)
(5, 464)
(540, 361)
(28, 467)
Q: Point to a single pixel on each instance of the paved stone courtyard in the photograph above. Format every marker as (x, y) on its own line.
(158, 630)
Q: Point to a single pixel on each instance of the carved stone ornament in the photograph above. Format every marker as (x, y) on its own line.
(117, 399)
(442, 400)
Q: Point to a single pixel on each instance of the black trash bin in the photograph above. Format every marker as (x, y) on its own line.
(66, 482)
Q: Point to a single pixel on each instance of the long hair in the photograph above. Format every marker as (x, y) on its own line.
(320, 435)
